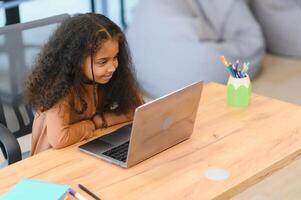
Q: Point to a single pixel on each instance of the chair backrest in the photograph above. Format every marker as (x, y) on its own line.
(19, 46)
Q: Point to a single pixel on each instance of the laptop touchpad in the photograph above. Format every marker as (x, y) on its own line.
(119, 136)
(96, 146)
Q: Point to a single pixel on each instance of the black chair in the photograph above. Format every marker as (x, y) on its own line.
(19, 45)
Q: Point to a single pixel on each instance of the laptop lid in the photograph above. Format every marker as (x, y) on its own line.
(163, 123)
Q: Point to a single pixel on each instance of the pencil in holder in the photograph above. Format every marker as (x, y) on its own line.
(239, 91)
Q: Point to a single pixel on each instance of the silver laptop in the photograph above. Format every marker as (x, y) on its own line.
(157, 126)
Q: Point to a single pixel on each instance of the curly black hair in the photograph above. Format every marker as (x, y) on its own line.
(58, 68)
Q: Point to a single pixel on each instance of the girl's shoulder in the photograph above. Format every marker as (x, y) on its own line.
(65, 101)
(69, 103)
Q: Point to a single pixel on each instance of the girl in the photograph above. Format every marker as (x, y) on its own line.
(81, 81)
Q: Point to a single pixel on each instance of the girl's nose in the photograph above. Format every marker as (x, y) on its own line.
(112, 68)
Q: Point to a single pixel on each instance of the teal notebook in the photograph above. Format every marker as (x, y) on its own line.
(36, 190)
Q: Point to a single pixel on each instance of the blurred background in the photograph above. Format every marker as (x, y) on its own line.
(37, 9)
(173, 43)
(182, 40)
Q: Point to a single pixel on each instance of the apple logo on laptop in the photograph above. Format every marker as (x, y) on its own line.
(167, 123)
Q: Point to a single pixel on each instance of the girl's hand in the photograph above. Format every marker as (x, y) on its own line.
(97, 121)
(113, 119)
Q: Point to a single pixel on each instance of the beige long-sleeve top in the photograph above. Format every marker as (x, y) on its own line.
(61, 126)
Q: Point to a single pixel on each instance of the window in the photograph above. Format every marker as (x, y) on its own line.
(2, 17)
(33, 10)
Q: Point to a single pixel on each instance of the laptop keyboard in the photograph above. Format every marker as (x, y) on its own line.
(119, 153)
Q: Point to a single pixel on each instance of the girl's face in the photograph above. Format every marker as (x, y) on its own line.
(105, 62)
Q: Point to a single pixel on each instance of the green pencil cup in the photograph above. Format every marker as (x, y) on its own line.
(239, 91)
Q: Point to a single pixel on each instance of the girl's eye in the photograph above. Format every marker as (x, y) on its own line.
(102, 62)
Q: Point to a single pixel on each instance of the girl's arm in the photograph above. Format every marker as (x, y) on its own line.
(112, 119)
(61, 131)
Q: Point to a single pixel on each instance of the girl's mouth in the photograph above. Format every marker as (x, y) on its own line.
(107, 76)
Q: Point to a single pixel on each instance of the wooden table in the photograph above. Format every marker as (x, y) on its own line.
(250, 143)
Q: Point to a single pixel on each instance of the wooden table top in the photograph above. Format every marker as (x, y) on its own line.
(249, 143)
